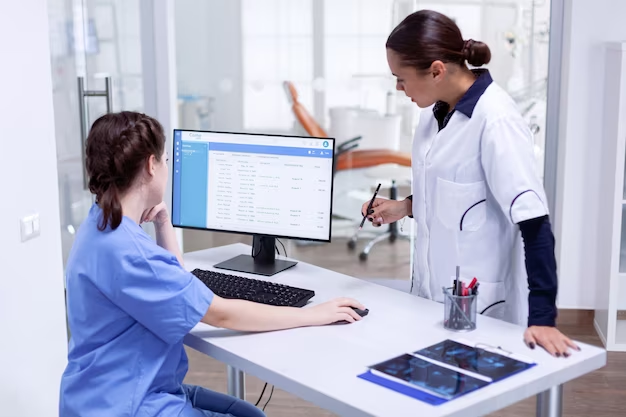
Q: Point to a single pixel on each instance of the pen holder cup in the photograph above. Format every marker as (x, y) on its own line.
(459, 311)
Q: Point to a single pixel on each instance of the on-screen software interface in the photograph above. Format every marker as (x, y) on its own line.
(254, 184)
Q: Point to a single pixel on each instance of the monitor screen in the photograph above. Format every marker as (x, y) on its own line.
(267, 185)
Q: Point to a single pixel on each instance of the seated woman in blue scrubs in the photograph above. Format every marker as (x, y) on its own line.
(130, 301)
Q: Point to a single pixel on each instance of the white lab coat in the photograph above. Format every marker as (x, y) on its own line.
(473, 181)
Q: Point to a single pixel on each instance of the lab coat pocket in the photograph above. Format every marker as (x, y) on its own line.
(461, 207)
(491, 296)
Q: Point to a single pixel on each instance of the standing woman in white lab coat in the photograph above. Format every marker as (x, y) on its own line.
(477, 200)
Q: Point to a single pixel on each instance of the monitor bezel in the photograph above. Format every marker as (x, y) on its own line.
(206, 229)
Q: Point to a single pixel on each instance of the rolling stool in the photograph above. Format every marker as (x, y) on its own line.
(391, 233)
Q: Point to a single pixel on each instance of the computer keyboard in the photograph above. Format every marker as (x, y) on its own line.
(232, 286)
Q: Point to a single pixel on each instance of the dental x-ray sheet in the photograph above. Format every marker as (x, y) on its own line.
(494, 366)
(445, 371)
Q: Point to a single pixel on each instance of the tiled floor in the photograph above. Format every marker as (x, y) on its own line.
(599, 394)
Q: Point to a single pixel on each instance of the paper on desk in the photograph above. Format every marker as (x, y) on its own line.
(512, 355)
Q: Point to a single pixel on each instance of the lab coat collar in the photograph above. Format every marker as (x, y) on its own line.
(468, 102)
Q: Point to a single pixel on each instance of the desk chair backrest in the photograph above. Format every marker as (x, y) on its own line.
(346, 154)
(304, 117)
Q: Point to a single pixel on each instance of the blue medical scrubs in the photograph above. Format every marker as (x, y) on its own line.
(130, 303)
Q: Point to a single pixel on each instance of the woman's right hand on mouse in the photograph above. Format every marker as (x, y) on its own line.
(333, 311)
(386, 211)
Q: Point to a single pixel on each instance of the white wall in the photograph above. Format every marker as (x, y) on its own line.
(33, 347)
(589, 24)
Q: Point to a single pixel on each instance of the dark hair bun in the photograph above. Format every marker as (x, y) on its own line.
(476, 53)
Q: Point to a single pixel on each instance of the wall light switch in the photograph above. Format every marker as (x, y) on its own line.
(36, 225)
(29, 227)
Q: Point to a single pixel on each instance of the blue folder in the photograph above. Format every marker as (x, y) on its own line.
(403, 389)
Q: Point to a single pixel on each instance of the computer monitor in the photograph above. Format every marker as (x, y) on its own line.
(267, 186)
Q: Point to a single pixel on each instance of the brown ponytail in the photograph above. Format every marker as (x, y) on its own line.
(427, 36)
(109, 202)
(118, 148)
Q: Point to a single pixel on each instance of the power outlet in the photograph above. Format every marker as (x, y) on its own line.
(621, 314)
(29, 227)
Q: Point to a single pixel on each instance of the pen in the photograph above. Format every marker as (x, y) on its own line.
(455, 288)
(474, 281)
(369, 207)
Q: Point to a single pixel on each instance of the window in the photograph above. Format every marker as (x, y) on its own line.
(277, 46)
(355, 61)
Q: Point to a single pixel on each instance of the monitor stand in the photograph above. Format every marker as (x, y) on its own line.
(262, 262)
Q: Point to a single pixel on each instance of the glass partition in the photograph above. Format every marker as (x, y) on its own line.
(91, 41)
(235, 57)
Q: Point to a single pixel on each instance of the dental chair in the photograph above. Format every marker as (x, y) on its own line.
(348, 157)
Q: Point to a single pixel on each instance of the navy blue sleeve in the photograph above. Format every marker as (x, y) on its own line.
(541, 269)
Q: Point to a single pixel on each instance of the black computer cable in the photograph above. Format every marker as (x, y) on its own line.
(268, 400)
(281, 244)
(261, 396)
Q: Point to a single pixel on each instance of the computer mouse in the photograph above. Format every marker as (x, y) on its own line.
(360, 312)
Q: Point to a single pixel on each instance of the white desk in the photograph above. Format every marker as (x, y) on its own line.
(321, 364)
